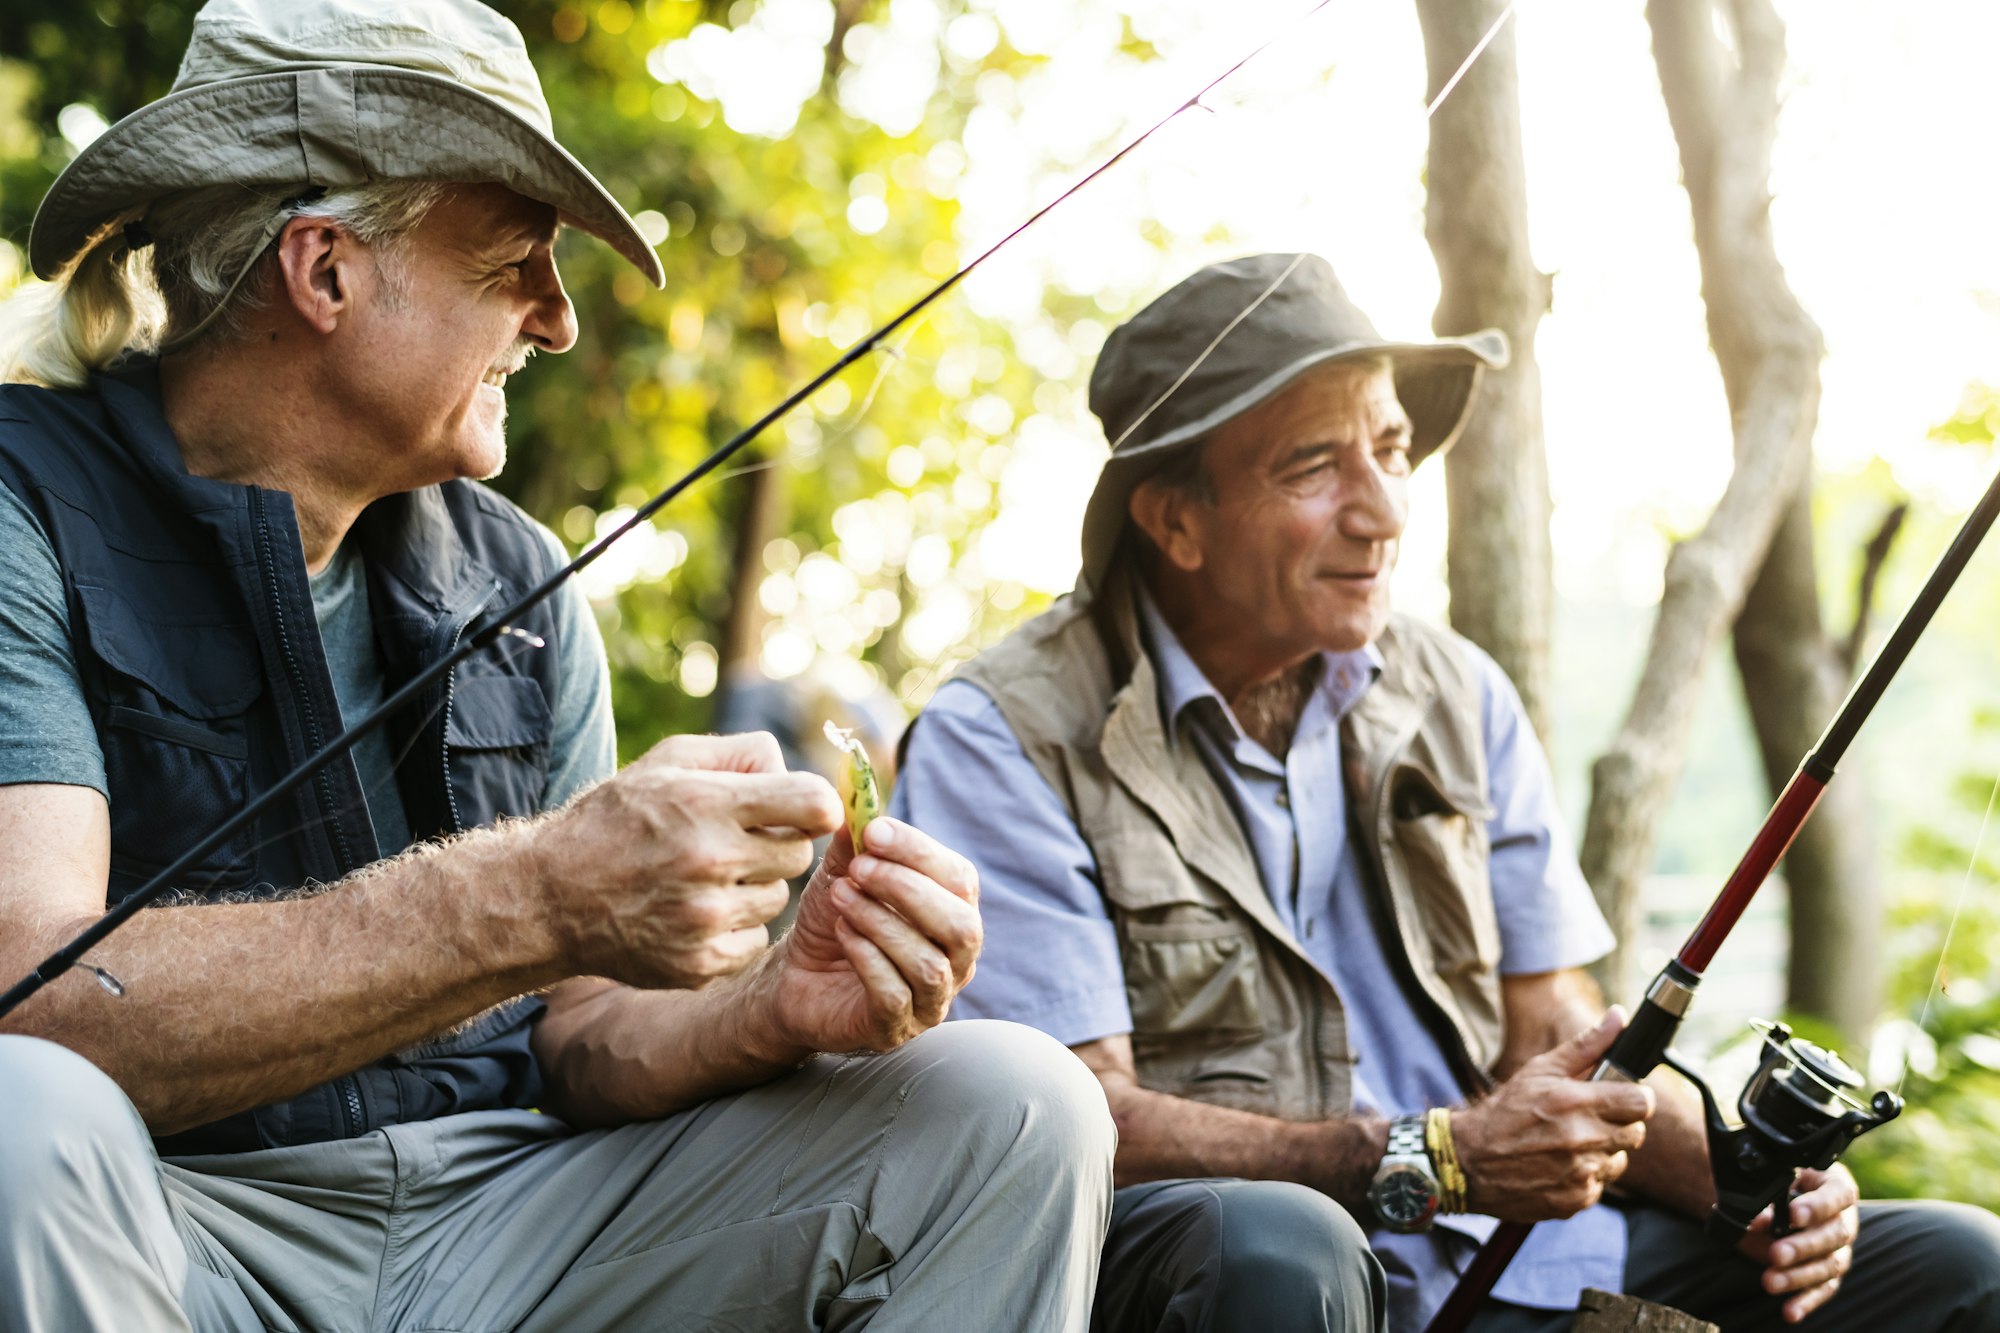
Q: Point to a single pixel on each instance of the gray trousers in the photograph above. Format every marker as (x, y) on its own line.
(960, 1182)
(1249, 1256)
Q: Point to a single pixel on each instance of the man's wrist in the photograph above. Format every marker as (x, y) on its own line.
(485, 893)
(520, 865)
(1405, 1193)
(1442, 1146)
(755, 997)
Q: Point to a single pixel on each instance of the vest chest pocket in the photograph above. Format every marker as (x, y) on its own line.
(1192, 978)
(497, 743)
(1441, 841)
(170, 699)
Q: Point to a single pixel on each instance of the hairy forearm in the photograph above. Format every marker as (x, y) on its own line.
(1161, 1137)
(613, 1054)
(235, 1005)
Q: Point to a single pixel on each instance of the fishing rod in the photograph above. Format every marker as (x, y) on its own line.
(502, 625)
(1800, 1109)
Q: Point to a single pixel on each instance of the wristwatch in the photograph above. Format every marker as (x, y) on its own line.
(1405, 1192)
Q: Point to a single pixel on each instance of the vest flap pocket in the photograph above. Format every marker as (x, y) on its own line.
(1141, 870)
(498, 713)
(203, 670)
(1191, 977)
(180, 733)
(1416, 791)
(1442, 846)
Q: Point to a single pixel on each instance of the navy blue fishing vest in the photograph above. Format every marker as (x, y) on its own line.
(192, 620)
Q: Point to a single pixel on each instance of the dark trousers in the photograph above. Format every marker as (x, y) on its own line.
(1239, 1256)
(1211, 1256)
(1919, 1267)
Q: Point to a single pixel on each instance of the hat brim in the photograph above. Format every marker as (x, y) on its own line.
(1434, 381)
(246, 131)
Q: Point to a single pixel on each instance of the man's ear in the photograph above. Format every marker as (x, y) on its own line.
(315, 262)
(1169, 518)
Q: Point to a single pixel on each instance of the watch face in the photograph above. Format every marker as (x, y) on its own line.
(1404, 1197)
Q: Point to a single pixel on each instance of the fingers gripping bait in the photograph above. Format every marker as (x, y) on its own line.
(859, 792)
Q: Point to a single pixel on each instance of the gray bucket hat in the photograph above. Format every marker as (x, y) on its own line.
(1228, 338)
(336, 93)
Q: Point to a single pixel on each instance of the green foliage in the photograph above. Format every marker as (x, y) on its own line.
(1977, 421)
(1944, 987)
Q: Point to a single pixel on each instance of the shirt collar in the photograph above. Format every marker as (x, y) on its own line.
(1344, 677)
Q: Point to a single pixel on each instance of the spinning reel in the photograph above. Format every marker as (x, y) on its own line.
(1800, 1110)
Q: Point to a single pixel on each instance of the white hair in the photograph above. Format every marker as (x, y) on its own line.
(120, 295)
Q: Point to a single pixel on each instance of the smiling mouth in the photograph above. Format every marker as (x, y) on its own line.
(496, 378)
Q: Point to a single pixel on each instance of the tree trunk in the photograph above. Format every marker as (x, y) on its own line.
(1794, 676)
(759, 515)
(1724, 110)
(1496, 476)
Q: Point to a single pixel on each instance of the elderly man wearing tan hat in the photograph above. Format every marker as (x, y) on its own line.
(1286, 870)
(476, 1034)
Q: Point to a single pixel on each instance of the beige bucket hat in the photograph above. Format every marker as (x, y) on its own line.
(335, 93)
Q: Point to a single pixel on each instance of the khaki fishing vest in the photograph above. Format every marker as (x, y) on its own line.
(1226, 1006)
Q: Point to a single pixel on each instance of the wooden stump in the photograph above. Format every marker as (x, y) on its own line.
(1608, 1312)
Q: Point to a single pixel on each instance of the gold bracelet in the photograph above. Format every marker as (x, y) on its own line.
(1444, 1159)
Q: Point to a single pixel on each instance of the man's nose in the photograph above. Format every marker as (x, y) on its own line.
(551, 320)
(1376, 508)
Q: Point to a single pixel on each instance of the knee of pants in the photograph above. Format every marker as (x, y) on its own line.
(1287, 1245)
(1960, 1247)
(60, 1112)
(982, 1078)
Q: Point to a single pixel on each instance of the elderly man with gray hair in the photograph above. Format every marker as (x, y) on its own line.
(476, 1033)
(1286, 870)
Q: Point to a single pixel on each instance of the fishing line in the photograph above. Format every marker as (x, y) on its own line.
(1478, 48)
(1951, 927)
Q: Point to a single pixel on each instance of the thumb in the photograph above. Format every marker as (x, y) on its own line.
(839, 854)
(1581, 1054)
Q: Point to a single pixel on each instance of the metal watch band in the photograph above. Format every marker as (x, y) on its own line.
(1406, 1137)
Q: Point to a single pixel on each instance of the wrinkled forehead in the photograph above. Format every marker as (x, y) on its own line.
(1340, 403)
(485, 217)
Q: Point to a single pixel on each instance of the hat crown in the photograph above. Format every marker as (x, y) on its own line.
(459, 40)
(1216, 332)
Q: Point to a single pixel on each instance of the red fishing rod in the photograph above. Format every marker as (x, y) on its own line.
(1799, 1109)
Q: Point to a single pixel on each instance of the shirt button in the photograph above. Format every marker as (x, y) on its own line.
(1284, 800)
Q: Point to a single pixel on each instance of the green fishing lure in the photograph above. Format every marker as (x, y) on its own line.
(859, 792)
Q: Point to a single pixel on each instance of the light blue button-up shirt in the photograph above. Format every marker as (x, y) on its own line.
(1051, 958)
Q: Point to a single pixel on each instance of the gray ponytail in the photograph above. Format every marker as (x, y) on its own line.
(116, 297)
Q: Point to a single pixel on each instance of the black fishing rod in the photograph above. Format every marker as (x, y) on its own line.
(1800, 1110)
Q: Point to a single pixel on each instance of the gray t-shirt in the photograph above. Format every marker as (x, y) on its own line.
(46, 733)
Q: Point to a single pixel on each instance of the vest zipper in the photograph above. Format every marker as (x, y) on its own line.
(351, 1094)
(302, 697)
(444, 722)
